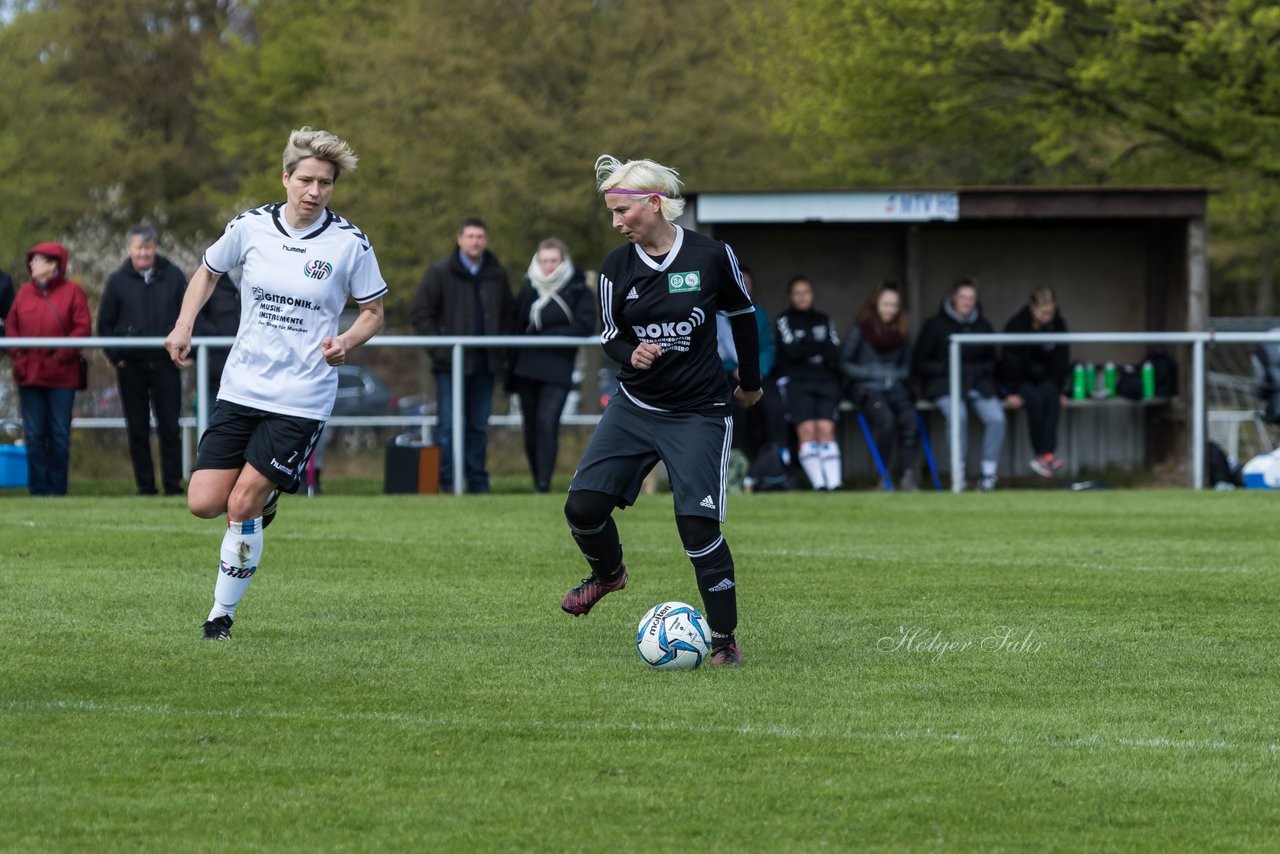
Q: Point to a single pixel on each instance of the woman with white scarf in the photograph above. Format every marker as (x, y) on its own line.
(553, 301)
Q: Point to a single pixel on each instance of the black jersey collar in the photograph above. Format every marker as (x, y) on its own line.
(671, 255)
(276, 210)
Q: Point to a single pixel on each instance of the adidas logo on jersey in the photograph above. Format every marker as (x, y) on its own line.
(725, 584)
(631, 294)
(708, 503)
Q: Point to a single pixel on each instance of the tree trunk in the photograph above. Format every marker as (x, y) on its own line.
(1266, 303)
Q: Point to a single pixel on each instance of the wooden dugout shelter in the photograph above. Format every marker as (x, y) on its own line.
(1121, 259)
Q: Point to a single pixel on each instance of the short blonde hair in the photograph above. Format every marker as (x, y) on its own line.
(643, 175)
(322, 145)
(556, 244)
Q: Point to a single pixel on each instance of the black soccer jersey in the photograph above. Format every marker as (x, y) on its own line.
(672, 303)
(807, 345)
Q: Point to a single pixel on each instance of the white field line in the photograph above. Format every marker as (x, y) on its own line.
(473, 722)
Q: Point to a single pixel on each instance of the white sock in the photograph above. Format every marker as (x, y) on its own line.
(811, 462)
(829, 453)
(989, 468)
(241, 551)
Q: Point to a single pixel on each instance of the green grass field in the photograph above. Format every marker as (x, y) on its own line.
(1018, 671)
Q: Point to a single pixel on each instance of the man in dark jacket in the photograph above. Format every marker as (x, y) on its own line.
(961, 313)
(1035, 376)
(221, 317)
(142, 299)
(467, 292)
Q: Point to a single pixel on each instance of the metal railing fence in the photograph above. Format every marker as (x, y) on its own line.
(1198, 341)
(201, 345)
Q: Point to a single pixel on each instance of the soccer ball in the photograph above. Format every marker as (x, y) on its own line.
(673, 636)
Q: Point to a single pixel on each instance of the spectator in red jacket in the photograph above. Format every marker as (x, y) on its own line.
(48, 306)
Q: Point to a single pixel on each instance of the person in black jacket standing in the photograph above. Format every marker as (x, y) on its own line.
(1036, 375)
(808, 365)
(467, 292)
(220, 316)
(961, 313)
(143, 299)
(553, 301)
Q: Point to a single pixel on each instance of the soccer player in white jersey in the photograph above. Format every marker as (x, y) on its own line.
(660, 294)
(301, 261)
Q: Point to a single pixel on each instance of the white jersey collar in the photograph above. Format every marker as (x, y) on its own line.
(666, 262)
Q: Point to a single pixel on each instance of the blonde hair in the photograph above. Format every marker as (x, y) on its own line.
(556, 244)
(646, 175)
(322, 145)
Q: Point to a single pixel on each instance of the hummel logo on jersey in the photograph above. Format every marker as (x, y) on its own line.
(725, 584)
(708, 503)
(631, 294)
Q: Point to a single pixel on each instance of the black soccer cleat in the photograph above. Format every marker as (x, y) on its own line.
(219, 628)
(269, 509)
(593, 588)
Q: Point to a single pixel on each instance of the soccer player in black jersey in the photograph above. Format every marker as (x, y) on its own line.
(659, 295)
(808, 376)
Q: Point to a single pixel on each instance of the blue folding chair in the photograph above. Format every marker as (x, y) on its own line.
(928, 451)
(875, 453)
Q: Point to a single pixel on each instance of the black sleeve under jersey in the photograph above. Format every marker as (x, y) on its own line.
(746, 338)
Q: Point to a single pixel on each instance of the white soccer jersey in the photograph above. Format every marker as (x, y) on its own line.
(294, 287)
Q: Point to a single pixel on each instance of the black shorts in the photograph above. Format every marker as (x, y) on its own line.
(276, 445)
(629, 441)
(811, 400)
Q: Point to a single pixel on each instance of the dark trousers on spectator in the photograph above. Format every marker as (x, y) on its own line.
(144, 387)
(540, 407)
(1043, 402)
(477, 403)
(891, 413)
(46, 423)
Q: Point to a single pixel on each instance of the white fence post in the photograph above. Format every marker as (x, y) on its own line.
(953, 416)
(455, 421)
(1197, 414)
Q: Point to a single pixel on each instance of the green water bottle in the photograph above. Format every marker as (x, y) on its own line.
(1148, 380)
(1110, 377)
(1077, 382)
(1090, 379)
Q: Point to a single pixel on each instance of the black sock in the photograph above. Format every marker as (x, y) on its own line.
(590, 518)
(601, 548)
(713, 564)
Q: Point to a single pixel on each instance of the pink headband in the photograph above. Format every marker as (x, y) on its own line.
(636, 192)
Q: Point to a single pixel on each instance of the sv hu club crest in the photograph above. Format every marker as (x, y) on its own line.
(318, 269)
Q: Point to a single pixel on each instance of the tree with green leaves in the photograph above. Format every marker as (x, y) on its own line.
(1047, 91)
(499, 112)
